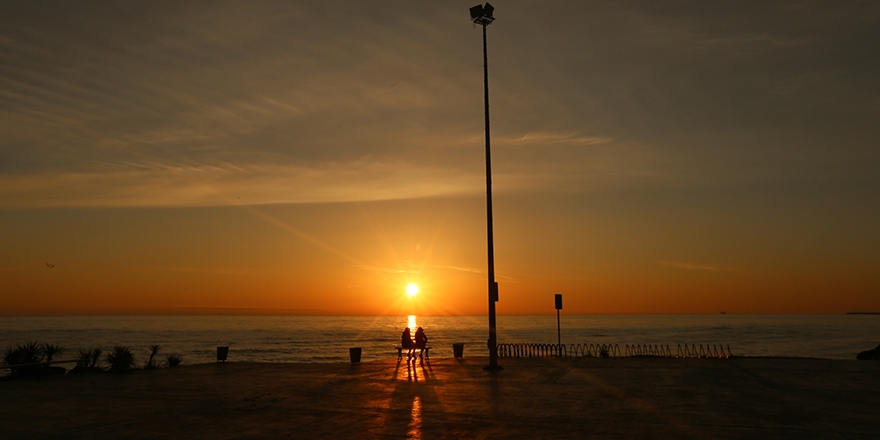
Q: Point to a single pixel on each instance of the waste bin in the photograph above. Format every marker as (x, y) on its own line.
(355, 355)
(458, 350)
(222, 352)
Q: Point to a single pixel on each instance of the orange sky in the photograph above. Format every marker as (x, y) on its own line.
(691, 158)
(357, 258)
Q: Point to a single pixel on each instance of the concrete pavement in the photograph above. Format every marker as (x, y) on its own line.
(555, 398)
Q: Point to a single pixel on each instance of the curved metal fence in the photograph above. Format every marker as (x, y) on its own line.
(532, 350)
(684, 351)
(595, 350)
(647, 350)
(708, 352)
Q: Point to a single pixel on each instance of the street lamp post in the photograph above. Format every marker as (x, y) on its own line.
(482, 15)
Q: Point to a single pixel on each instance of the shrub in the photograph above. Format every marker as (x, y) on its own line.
(88, 358)
(120, 359)
(84, 357)
(173, 360)
(96, 355)
(51, 350)
(28, 353)
(154, 349)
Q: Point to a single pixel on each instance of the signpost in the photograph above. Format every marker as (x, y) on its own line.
(558, 326)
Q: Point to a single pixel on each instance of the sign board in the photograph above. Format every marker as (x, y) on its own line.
(558, 301)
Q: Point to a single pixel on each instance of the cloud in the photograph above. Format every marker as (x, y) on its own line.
(415, 268)
(134, 104)
(218, 271)
(390, 270)
(458, 269)
(550, 138)
(157, 184)
(694, 266)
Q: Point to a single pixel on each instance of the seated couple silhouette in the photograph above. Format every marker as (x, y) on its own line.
(411, 344)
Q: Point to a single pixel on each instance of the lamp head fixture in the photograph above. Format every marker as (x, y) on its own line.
(482, 15)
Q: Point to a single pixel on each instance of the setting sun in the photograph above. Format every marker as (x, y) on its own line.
(412, 290)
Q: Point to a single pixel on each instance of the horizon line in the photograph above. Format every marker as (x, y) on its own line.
(260, 311)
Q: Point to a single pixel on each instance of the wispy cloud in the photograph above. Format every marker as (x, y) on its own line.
(218, 271)
(695, 266)
(458, 269)
(754, 39)
(159, 184)
(415, 268)
(133, 105)
(550, 138)
(391, 270)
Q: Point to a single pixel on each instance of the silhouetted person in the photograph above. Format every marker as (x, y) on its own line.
(406, 343)
(421, 342)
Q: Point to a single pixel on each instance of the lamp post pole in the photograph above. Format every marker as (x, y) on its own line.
(482, 15)
(493, 286)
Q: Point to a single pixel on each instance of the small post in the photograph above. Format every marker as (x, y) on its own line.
(458, 350)
(354, 354)
(558, 325)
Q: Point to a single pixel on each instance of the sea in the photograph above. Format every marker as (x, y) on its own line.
(327, 339)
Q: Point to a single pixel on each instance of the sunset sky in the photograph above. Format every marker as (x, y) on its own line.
(319, 156)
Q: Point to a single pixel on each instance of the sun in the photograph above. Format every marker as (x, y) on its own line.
(412, 290)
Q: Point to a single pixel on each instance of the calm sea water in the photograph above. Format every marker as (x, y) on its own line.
(328, 338)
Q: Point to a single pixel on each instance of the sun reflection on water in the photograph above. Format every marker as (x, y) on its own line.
(414, 431)
(411, 323)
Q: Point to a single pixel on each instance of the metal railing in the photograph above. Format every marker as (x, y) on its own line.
(647, 350)
(684, 351)
(595, 350)
(707, 352)
(532, 350)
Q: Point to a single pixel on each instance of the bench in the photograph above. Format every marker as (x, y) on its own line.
(39, 369)
(42, 364)
(400, 349)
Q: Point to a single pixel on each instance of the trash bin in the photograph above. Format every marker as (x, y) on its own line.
(355, 355)
(222, 352)
(458, 350)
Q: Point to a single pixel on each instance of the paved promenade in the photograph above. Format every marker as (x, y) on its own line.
(625, 398)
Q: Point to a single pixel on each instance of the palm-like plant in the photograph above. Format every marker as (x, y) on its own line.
(84, 356)
(154, 349)
(96, 354)
(173, 360)
(9, 356)
(88, 358)
(28, 353)
(24, 354)
(51, 350)
(120, 359)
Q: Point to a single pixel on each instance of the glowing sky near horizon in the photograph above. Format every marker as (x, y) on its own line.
(320, 156)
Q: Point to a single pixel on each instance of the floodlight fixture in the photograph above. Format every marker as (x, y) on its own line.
(476, 12)
(482, 15)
